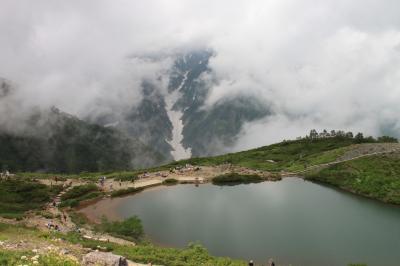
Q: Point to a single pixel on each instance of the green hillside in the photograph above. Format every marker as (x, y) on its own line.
(290, 155)
(376, 176)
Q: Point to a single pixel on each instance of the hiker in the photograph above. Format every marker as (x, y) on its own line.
(50, 225)
(251, 263)
(54, 204)
(65, 217)
(56, 227)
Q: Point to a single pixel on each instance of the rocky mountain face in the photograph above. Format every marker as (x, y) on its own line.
(177, 125)
(209, 131)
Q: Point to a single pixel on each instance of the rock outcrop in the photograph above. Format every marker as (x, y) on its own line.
(103, 259)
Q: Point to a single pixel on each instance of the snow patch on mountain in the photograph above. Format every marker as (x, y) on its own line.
(175, 116)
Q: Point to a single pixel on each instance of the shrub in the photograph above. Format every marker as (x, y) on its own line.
(78, 218)
(79, 191)
(45, 214)
(234, 178)
(170, 181)
(130, 229)
(73, 197)
(121, 192)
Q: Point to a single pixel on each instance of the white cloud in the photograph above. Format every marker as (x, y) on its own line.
(330, 63)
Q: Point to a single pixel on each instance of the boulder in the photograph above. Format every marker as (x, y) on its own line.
(103, 259)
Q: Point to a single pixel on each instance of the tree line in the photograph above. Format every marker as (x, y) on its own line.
(358, 138)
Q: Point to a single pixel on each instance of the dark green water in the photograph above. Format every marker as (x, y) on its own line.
(293, 221)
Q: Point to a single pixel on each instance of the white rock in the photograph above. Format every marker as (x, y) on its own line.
(103, 259)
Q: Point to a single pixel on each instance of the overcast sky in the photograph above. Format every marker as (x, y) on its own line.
(323, 64)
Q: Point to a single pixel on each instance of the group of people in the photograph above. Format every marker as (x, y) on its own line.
(51, 225)
(270, 263)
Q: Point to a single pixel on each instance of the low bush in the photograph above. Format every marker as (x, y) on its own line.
(234, 178)
(73, 197)
(79, 191)
(78, 219)
(121, 192)
(170, 181)
(45, 214)
(130, 229)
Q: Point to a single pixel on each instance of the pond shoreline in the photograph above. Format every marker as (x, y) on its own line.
(320, 196)
(151, 184)
(349, 191)
(142, 185)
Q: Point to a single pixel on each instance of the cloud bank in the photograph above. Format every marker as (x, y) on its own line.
(317, 64)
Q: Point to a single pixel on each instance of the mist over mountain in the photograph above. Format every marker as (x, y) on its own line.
(173, 119)
(57, 142)
(193, 78)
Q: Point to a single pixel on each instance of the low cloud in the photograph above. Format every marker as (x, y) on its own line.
(329, 64)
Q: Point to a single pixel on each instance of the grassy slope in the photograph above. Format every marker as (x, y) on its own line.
(17, 196)
(288, 155)
(377, 177)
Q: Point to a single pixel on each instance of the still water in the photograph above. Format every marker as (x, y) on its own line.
(293, 221)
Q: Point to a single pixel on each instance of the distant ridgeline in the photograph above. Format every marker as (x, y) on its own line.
(58, 142)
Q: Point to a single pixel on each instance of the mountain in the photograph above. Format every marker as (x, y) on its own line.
(58, 142)
(175, 123)
(212, 130)
(168, 124)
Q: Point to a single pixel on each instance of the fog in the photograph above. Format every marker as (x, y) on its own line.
(331, 64)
